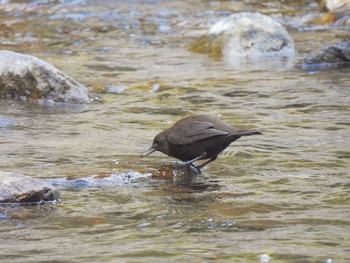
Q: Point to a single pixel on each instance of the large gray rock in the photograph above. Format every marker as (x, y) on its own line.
(334, 56)
(17, 188)
(32, 78)
(244, 36)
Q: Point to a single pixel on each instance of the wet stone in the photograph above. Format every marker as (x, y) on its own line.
(174, 170)
(338, 15)
(334, 4)
(27, 77)
(17, 188)
(333, 56)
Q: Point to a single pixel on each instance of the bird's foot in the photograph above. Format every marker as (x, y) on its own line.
(192, 166)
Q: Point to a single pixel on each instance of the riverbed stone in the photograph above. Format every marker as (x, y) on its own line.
(339, 14)
(333, 56)
(28, 77)
(335, 4)
(5, 122)
(245, 35)
(18, 188)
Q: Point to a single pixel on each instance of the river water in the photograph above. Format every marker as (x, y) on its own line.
(283, 195)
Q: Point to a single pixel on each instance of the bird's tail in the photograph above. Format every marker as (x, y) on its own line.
(247, 132)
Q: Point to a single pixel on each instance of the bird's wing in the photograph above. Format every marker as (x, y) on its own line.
(198, 130)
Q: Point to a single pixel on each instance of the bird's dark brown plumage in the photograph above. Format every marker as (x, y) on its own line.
(197, 137)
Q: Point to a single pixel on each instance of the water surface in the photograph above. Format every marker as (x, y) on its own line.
(284, 194)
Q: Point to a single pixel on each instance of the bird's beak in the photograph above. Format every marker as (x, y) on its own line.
(148, 152)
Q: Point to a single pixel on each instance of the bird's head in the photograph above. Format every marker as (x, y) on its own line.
(160, 143)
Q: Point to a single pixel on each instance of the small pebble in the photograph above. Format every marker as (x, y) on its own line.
(265, 258)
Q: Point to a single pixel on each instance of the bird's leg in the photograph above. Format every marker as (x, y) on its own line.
(190, 163)
(205, 163)
(195, 159)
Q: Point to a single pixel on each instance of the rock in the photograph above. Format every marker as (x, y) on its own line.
(171, 170)
(342, 15)
(17, 188)
(335, 4)
(24, 76)
(242, 36)
(339, 16)
(330, 57)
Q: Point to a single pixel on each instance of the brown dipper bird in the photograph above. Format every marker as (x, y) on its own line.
(195, 138)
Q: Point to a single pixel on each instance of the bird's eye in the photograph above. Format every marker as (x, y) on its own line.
(156, 141)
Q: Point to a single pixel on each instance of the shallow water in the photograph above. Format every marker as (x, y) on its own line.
(284, 194)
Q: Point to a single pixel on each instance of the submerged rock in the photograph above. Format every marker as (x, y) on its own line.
(4, 122)
(334, 4)
(330, 57)
(338, 15)
(245, 36)
(174, 170)
(17, 188)
(28, 77)
(99, 180)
